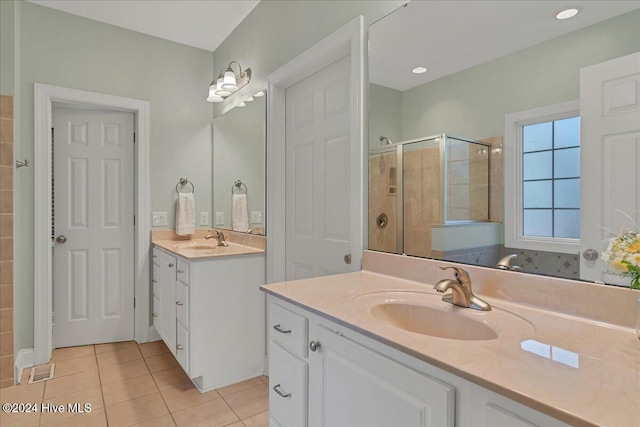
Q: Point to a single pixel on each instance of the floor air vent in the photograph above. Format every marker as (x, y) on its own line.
(41, 373)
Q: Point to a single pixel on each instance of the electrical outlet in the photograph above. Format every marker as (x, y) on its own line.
(204, 218)
(256, 217)
(159, 219)
(219, 218)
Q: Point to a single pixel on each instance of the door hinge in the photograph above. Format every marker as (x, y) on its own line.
(134, 137)
(134, 220)
(134, 303)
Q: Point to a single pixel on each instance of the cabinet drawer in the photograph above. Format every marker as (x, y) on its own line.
(155, 280)
(288, 329)
(287, 387)
(157, 316)
(182, 304)
(183, 272)
(155, 256)
(182, 347)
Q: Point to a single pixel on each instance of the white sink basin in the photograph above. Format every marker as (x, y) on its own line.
(197, 246)
(425, 313)
(431, 321)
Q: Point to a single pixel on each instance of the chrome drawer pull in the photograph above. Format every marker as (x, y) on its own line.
(154, 281)
(282, 331)
(179, 303)
(179, 347)
(155, 314)
(170, 265)
(180, 271)
(276, 388)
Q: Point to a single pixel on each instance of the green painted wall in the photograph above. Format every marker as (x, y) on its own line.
(385, 114)
(61, 49)
(7, 49)
(276, 31)
(473, 102)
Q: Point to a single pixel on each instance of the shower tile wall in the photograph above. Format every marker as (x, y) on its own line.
(421, 194)
(382, 199)
(6, 241)
(496, 187)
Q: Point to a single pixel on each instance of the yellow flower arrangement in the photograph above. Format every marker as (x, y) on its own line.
(623, 254)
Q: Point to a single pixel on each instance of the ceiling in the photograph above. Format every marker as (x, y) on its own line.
(450, 36)
(199, 23)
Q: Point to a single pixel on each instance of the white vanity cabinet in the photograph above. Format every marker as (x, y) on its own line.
(210, 313)
(343, 378)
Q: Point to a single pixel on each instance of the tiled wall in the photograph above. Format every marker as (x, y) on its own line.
(6, 241)
(382, 200)
(548, 263)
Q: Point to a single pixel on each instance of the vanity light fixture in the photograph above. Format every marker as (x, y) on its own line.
(259, 94)
(250, 99)
(227, 83)
(567, 13)
(242, 104)
(419, 70)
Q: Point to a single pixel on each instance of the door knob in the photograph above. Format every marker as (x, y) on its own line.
(590, 255)
(347, 259)
(61, 238)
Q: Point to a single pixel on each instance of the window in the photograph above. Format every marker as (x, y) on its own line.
(542, 178)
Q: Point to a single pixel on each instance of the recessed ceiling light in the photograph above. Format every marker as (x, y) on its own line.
(419, 70)
(567, 13)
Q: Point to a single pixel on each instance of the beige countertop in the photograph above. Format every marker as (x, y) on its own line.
(580, 371)
(197, 247)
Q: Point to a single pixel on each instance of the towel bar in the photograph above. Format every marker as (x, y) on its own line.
(183, 182)
(239, 184)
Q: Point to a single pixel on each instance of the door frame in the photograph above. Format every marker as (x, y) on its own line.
(44, 97)
(347, 40)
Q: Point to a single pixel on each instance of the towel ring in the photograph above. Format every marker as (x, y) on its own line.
(183, 182)
(239, 184)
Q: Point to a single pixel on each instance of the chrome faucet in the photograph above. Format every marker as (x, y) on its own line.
(505, 263)
(461, 294)
(219, 236)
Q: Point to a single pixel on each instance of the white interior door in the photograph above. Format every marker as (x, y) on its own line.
(93, 222)
(318, 174)
(610, 155)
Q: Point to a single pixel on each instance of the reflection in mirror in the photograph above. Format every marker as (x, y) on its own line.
(504, 58)
(239, 138)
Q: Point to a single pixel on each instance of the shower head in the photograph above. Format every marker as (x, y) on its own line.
(385, 140)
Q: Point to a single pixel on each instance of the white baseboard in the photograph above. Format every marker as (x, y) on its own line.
(153, 334)
(24, 359)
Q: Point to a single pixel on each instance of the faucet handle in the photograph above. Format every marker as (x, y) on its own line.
(461, 274)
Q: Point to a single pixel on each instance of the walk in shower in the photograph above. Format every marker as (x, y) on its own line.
(422, 189)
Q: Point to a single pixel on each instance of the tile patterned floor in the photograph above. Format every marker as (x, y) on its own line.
(134, 385)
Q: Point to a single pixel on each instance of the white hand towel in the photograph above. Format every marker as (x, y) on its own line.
(240, 217)
(185, 214)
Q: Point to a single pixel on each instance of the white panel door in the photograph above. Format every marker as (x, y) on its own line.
(318, 173)
(610, 155)
(93, 211)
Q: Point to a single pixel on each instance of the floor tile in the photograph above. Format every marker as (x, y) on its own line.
(236, 424)
(116, 373)
(23, 393)
(210, 414)
(259, 420)
(264, 379)
(234, 388)
(136, 411)
(249, 402)
(164, 421)
(19, 420)
(128, 389)
(95, 418)
(172, 378)
(66, 353)
(92, 396)
(101, 348)
(178, 399)
(153, 348)
(71, 384)
(117, 357)
(74, 366)
(161, 362)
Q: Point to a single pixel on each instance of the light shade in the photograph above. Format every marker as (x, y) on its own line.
(220, 90)
(242, 104)
(229, 81)
(259, 94)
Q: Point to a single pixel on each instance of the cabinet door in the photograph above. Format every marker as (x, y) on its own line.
(182, 347)
(157, 315)
(168, 312)
(351, 385)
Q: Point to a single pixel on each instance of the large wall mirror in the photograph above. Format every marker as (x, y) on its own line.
(462, 95)
(239, 150)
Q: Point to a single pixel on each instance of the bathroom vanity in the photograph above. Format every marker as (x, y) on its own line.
(338, 356)
(208, 309)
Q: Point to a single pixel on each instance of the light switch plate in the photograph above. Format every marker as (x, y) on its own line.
(204, 218)
(219, 218)
(159, 219)
(256, 217)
